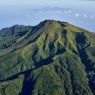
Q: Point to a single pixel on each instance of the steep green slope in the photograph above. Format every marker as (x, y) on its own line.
(52, 58)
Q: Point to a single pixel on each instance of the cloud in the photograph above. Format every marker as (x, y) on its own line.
(77, 15)
(43, 11)
(85, 15)
(54, 12)
(81, 15)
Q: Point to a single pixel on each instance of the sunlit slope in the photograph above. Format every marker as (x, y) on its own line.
(52, 58)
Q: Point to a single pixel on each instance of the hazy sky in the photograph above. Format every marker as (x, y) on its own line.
(50, 3)
(81, 12)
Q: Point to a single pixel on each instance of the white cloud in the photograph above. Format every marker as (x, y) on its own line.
(39, 12)
(85, 16)
(77, 15)
(81, 15)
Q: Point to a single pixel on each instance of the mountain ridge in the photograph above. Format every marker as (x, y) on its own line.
(52, 58)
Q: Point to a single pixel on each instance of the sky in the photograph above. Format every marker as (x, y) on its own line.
(80, 12)
(50, 3)
(36, 2)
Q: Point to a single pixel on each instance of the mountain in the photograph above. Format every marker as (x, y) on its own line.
(52, 58)
(14, 30)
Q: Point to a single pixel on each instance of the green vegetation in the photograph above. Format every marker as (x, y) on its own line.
(52, 58)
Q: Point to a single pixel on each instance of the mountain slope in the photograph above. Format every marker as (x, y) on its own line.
(52, 58)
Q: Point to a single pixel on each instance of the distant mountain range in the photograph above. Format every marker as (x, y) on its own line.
(51, 58)
(30, 16)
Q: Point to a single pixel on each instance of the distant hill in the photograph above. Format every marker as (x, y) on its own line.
(9, 31)
(52, 58)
